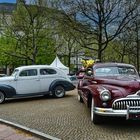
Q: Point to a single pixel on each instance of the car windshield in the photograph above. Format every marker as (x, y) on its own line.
(116, 71)
(14, 72)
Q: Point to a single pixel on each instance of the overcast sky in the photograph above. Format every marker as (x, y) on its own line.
(14, 1)
(10, 1)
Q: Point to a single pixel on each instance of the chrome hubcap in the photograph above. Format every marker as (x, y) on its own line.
(59, 92)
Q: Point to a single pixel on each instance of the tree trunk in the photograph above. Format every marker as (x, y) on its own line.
(34, 59)
(26, 62)
(69, 58)
(138, 48)
(123, 53)
(100, 55)
(100, 38)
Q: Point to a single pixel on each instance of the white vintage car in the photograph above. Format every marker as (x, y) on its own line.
(33, 81)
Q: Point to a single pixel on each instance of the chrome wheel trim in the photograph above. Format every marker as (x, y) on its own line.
(2, 98)
(59, 91)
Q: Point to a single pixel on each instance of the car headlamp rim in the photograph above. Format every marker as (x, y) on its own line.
(105, 95)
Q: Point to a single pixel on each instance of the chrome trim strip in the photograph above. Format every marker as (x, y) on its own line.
(123, 102)
(110, 112)
(116, 113)
(127, 115)
(136, 98)
(137, 94)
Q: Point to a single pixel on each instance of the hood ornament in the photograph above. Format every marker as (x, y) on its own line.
(138, 92)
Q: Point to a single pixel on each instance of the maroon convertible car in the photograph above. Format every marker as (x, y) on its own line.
(111, 89)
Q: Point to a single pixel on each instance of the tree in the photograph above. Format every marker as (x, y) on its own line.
(130, 39)
(29, 26)
(66, 44)
(98, 21)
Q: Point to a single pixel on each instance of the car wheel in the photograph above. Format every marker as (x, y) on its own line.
(2, 97)
(59, 92)
(94, 117)
(80, 98)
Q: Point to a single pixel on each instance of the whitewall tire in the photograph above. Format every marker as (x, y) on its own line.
(94, 117)
(80, 98)
(59, 91)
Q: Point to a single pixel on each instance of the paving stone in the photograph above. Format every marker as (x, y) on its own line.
(67, 119)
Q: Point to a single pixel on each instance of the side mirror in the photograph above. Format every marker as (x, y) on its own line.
(89, 72)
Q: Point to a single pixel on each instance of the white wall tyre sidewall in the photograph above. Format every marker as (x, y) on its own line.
(92, 109)
(78, 97)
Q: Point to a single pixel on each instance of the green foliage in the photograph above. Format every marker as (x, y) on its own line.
(27, 37)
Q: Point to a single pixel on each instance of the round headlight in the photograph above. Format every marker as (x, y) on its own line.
(105, 95)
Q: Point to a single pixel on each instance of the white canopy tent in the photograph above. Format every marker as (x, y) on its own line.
(57, 63)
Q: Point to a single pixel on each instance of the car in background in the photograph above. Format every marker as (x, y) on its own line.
(73, 79)
(81, 73)
(111, 89)
(35, 80)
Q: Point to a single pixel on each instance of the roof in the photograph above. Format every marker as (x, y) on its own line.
(111, 64)
(34, 66)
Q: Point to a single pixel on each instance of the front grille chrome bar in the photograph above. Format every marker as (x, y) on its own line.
(122, 104)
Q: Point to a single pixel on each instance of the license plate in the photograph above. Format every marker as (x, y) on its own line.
(134, 116)
(133, 113)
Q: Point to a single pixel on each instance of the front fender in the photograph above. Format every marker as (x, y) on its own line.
(66, 84)
(8, 91)
(92, 91)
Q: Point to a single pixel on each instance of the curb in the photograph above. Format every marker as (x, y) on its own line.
(29, 130)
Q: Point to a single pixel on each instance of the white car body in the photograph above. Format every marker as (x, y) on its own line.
(35, 80)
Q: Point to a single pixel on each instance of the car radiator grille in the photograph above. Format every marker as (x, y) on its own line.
(122, 104)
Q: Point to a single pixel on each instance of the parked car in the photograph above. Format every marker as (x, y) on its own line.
(112, 89)
(80, 74)
(33, 81)
(73, 79)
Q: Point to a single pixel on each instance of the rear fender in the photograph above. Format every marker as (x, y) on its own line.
(66, 84)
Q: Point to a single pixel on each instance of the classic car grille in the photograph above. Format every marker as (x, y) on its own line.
(122, 104)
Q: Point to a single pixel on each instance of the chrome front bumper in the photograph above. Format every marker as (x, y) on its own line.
(109, 112)
(129, 113)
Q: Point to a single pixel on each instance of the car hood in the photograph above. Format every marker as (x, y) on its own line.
(118, 81)
(120, 86)
(4, 79)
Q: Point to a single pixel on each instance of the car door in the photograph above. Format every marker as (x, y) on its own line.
(47, 76)
(28, 82)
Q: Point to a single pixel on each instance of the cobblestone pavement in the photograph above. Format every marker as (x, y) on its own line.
(66, 119)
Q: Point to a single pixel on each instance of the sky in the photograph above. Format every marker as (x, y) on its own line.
(10, 1)
(14, 1)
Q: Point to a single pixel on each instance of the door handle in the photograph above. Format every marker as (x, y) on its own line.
(38, 80)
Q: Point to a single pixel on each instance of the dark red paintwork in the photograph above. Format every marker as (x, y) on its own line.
(119, 86)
